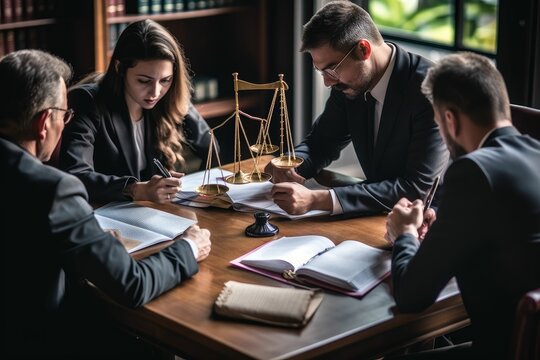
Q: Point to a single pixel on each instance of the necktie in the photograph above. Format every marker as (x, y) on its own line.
(370, 116)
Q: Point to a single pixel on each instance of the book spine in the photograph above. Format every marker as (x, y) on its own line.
(17, 10)
(202, 4)
(143, 7)
(155, 6)
(179, 5)
(7, 11)
(9, 41)
(20, 39)
(113, 36)
(2, 45)
(168, 6)
(29, 9)
(32, 38)
(111, 8)
(191, 5)
(120, 7)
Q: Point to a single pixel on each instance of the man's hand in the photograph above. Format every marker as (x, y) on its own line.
(405, 217)
(296, 199)
(283, 175)
(201, 238)
(429, 218)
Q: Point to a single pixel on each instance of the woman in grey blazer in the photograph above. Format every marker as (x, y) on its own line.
(138, 110)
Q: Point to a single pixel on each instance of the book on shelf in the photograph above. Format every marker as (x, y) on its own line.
(352, 267)
(251, 197)
(141, 226)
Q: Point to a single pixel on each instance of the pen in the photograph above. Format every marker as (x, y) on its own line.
(163, 172)
(431, 194)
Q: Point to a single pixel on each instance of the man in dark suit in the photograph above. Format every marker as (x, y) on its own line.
(394, 136)
(487, 232)
(51, 242)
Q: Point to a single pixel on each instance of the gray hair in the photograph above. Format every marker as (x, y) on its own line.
(30, 80)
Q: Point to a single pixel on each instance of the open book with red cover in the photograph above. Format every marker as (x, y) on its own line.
(352, 267)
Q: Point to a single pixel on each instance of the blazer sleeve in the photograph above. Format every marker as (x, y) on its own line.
(78, 148)
(87, 252)
(420, 271)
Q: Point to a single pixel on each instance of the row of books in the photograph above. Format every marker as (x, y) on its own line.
(205, 88)
(144, 7)
(20, 10)
(29, 38)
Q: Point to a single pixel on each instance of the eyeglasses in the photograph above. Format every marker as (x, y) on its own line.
(331, 73)
(68, 113)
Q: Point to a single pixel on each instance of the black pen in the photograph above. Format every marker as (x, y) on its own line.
(431, 194)
(163, 172)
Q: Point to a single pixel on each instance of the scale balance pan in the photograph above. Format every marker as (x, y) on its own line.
(287, 162)
(237, 178)
(264, 150)
(258, 177)
(212, 190)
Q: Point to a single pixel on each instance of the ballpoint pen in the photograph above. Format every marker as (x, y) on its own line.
(163, 172)
(431, 194)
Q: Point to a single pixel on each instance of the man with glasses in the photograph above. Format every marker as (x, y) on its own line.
(46, 312)
(376, 104)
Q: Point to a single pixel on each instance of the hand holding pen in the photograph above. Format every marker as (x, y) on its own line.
(163, 172)
(429, 214)
(167, 186)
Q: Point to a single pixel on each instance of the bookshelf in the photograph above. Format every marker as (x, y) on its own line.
(29, 24)
(217, 41)
(251, 37)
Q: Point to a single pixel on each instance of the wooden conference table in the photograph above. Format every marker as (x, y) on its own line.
(181, 320)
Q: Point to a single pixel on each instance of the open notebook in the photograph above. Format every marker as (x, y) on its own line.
(141, 226)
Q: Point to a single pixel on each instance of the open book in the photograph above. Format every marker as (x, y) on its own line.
(352, 267)
(250, 197)
(140, 226)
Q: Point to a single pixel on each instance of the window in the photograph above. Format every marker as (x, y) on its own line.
(450, 24)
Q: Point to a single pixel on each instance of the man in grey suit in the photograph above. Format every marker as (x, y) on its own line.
(377, 105)
(487, 232)
(60, 245)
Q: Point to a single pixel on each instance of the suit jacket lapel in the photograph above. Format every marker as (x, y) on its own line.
(124, 130)
(392, 103)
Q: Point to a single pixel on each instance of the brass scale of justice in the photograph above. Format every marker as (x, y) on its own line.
(263, 145)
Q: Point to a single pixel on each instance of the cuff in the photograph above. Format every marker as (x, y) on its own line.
(194, 247)
(336, 206)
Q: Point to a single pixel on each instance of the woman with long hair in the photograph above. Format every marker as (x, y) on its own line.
(137, 111)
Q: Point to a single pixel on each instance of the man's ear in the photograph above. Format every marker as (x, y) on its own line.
(452, 121)
(40, 124)
(365, 49)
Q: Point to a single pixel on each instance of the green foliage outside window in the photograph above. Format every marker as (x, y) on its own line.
(433, 20)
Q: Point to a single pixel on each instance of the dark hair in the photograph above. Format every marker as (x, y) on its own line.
(341, 24)
(469, 83)
(143, 41)
(30, 84)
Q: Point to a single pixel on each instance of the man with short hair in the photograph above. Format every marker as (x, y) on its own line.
(60, 244)
(376, 104)
(487, 232)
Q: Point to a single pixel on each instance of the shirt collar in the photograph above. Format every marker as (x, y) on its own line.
(379, 90)
(484, 139)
